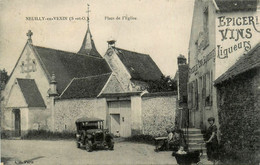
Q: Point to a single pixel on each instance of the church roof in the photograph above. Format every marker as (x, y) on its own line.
(88, 46)
(86, 87)
(67, 65)
(31, 93)
(140, 66)
(236, 5)
(245, 63)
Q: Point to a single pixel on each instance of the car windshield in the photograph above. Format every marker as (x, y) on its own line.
(91, 125)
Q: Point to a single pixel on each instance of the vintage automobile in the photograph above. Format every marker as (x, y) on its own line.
(91, 134)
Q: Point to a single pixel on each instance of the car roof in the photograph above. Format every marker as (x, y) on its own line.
(83, 119)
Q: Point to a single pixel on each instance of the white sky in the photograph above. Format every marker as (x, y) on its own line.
(162, 28)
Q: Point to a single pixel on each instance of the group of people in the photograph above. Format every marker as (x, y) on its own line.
(176, 141)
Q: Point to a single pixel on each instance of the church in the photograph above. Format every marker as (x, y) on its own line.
(49, 89)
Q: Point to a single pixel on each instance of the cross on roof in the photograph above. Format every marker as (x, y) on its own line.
(29, 34)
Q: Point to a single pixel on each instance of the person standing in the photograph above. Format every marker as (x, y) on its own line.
(169, 139)
(212, 141)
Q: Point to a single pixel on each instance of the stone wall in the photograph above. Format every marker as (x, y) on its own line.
(158, 113)
(238, 103)
(68, 111)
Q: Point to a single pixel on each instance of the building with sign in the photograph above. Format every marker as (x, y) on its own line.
(49, 89)
(222, 31)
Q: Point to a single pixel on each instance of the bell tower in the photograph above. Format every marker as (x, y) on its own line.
(88, 46)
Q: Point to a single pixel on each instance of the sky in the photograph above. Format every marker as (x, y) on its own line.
(160, 28)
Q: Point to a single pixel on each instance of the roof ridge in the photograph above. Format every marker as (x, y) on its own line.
(131, 51)
(68, 52)
(24, 78)
(93, 76)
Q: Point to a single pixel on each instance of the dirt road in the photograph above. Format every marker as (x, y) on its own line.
(65, 152)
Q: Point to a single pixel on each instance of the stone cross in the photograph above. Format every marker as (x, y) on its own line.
(29, 65)
(29, 34)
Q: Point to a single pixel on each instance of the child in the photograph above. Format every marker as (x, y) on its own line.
(181, 151)
(117, 134)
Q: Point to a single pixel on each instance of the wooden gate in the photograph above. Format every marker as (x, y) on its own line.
(120, 112)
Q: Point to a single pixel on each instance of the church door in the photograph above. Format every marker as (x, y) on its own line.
(17, 122)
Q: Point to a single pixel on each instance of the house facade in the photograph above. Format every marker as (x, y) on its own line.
(222, 31)
(49, 89)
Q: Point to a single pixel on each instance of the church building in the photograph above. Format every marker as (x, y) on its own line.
(49, 89)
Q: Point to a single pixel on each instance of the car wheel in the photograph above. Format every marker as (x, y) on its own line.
(89, 146)
(111, 147)
(78, 145)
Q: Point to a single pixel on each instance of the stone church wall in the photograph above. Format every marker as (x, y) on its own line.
(68, 111)
(158, 113)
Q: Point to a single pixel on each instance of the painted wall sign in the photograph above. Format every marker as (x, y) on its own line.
(238, 30)
(236, 34)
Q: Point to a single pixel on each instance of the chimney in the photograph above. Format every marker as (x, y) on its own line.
(181, 60)
(111, 43)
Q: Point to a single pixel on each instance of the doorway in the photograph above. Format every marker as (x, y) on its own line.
(120, 117)
(115, 123)
(17, 122)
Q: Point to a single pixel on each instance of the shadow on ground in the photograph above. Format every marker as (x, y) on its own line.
(11, 160)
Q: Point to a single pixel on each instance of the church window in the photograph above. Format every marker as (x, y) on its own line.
(22, 67)
(34, 66)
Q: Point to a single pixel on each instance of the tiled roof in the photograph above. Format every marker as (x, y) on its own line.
(31, 93)
(245, 63)
(140, 66)
(87, 87)
(67, 65)
(236, 5)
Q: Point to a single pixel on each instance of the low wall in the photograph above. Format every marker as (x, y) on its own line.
(158, 112)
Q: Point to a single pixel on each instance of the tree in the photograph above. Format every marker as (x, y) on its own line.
(164, 84)
(3, 79)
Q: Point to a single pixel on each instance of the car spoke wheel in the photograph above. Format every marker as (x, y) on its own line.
(78, 145)
(111, 145)
(89, 146)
